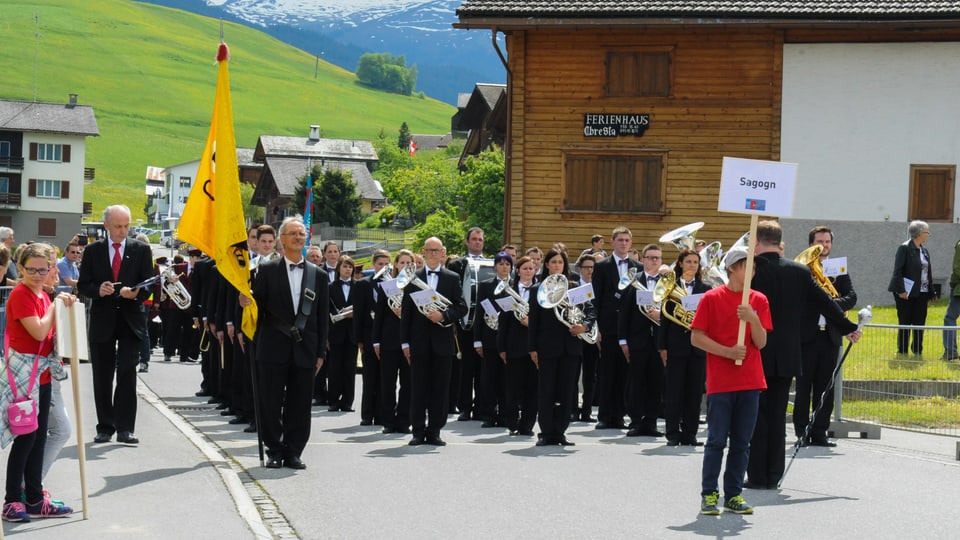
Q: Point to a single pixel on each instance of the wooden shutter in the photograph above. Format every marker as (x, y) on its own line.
(32, 189)
(931, 193)
(64, 189)
(65, 154)
(33, 151)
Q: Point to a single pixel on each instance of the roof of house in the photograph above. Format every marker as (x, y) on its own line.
(319, 149)
(724, 9)
(367, 187)
(431, 142)
(287, 172)
(39, 117)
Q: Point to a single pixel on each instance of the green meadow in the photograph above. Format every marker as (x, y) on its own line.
(150, 74)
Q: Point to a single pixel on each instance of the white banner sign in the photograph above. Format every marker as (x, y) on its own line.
(751, 186)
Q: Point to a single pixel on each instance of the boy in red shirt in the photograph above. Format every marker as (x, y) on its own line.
(733, 391)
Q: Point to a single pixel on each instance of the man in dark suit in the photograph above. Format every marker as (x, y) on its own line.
(611, 388)
(111, 267)
(465, 387)
(821, 342)
(293, 300)
(788, 286)
(429, 345)
(366, 293)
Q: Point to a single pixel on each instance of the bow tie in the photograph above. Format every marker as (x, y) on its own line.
(345, 282)
(622, 261)
(296, 265)
(434, 272)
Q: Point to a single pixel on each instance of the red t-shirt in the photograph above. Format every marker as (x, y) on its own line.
(717, 316)
(21, 303)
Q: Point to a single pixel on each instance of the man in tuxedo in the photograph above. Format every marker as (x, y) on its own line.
(821, 343)
(465, 387)
(611, 387)
(111, 268)
(638, 338)
(293, 300)
(429, 345)
(366, 293)
(788, 286)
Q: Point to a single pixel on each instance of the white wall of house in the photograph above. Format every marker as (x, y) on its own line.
(856, 116)
(47, 170)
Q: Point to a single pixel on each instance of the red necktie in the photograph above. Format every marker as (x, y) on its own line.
(115, 265)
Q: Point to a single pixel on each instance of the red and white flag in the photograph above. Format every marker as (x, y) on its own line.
(413, 147)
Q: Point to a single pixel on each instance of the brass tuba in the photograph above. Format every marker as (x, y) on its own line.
(631, 279)
(811, 258)
(683, 237)
(174, 289)
(552, 293)
(669, 294)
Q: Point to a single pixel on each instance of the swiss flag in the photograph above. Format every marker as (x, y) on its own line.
(413, 147)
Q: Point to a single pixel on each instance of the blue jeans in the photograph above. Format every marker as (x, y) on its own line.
(729, 415)
(950, 319)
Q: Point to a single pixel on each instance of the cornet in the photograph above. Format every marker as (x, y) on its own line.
(552, 293)
(630, 278)
(440, 302)
(174, 289)
(343, 314)
(523, 308)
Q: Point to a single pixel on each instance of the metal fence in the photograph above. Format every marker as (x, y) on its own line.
(917, 392)
(5, 292)
(361, 242)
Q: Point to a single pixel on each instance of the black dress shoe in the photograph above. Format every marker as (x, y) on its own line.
(202, 393)
(333, 408)
(346, 409)
(673, 443)
(402, 429)
(221, 405)
(366, 422)
(489, 424)
(102, 437)
(463, 417)
(821, 441)
(691, 442)
(143, 369)
(416, 441)
(545, 441)
(126, 437)
(227, 411)
(564, 442)
(238, 420)
(274, 463)
(588, 419)
(252, 428)
(525, 432)
(294, 463)
(435, 440)
(213, 400)
(388, 430)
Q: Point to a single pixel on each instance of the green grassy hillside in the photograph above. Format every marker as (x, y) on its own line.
(150, 74)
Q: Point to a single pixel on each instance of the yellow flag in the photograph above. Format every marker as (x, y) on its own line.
(213, 216)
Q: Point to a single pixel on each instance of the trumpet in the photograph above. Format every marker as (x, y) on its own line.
(811, 258)
(174, 289)
(669, 295)
(523, 308)
(341, 315)
(553, 294)
(440, 302)
(631, 279)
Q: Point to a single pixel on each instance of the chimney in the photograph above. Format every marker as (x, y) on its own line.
(72, 102)
(314, 132)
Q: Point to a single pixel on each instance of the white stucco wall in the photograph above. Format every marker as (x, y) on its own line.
(856, 116)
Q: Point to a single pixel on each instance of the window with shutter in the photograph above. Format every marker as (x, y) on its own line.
(624, 183)
(47, 227)
(639, 73)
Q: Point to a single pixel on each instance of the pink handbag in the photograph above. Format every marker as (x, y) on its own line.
(22, 413)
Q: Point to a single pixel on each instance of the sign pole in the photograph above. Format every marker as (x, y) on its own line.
(747, 277)
(75, 384)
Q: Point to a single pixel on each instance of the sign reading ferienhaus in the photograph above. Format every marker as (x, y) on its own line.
(615, 125)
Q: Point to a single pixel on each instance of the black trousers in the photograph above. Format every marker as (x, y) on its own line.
(556, 379)
(912, 311)
(470, 387)
(242, 382)
(210, 364)
(612, 382)
(116, 406)
(341, 374)
(394, 367)
(429, 391)
(371, 405)
(172, 322)
(767, 450)
(587, 373)
(819, 360)
(493, 383)
(285, 395)
(521, 397)
(684, 377)
(644, 388)
(225, 362)
(25, 460)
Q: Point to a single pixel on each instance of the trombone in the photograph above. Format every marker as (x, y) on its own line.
(552, 294)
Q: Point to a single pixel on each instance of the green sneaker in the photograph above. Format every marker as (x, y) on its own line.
(708, 504)
(737, 505)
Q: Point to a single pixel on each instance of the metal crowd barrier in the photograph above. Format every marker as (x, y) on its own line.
(5, 292)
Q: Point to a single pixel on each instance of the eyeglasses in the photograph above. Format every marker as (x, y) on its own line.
(588, 267)
(432, 250)
(73, 253)
(295, 234)
(34, 271)
(652, 257)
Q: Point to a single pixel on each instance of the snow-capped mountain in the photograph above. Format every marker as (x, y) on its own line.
(449, 61)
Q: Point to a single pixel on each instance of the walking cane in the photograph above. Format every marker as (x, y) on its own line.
(863, 317)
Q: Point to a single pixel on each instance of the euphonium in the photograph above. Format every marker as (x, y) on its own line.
(669, 293)
(523, 308)
(440, 302)
(811, 258)
(174, 289)
(552, 293)
(630, 278)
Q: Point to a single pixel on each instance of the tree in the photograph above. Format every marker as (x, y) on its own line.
(482, 193)
(422, 190)
(251, 211)
(335, 198)
(443, 224)
(403, 142)
(384, 71)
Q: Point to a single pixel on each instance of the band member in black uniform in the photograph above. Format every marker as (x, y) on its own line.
(685, 366)
(821, 345)
(174, 321)
(520, 410)
(365, 297)
(612, 371)
(492, 369)
(788, 286)
(342, 357)
(331, 255)
(638, 341)
(591, 355)
(429, 344)
(387, 344)
(466, 392)
(556, 350)
(199, 285)
(293, 306)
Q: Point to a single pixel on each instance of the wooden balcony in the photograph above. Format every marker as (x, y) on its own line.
(10, 199)
(11, 163)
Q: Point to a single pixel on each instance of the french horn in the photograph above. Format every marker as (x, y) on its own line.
(552, 294)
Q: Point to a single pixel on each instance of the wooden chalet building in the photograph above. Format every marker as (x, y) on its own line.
(620, 111)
